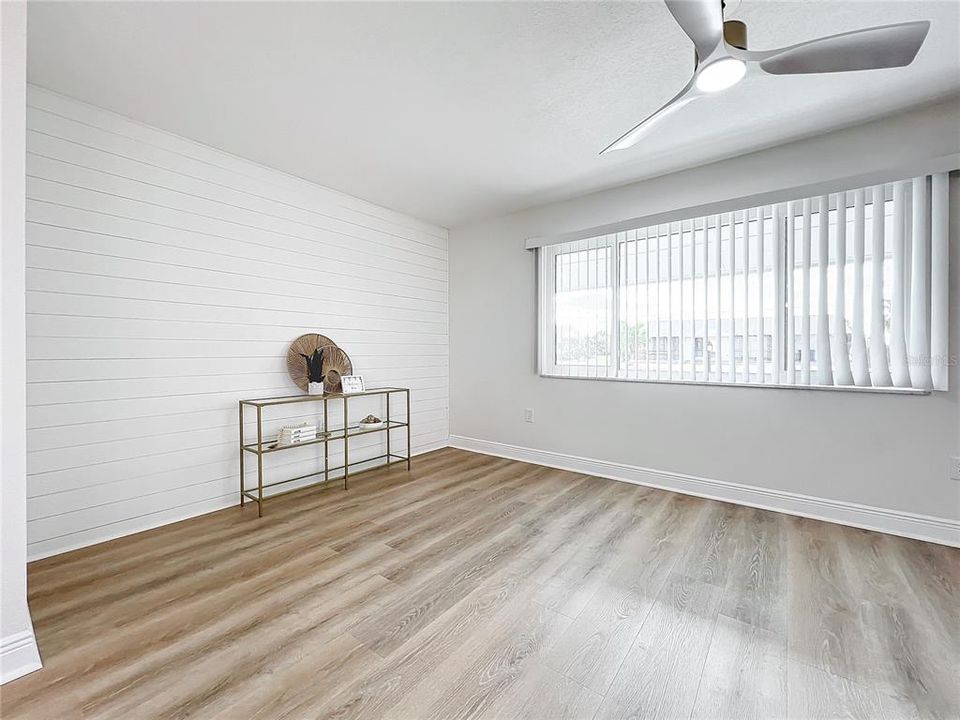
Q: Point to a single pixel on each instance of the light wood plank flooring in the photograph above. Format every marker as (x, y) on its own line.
(476, 587)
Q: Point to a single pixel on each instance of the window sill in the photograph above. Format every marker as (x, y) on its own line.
(780, 386)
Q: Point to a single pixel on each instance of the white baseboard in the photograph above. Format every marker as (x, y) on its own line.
(19, 656)
(922, 527)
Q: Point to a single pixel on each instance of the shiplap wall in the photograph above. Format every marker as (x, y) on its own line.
(165, 281)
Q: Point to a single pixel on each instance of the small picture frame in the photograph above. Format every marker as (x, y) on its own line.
(352, 384)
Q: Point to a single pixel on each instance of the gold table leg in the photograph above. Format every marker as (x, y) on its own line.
(326, 445)
(346, 444)
(242, 498)
(259, 461)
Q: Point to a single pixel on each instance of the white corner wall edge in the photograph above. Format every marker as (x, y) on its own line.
(19, 656)
(920, 527)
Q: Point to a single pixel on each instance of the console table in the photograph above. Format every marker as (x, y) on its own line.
(325, 435)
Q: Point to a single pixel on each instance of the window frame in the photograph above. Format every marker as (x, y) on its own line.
(547, 367)
(550, 308)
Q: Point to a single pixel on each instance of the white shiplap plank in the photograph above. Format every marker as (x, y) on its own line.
(231, 170)
(49, 151)
(294, 252)
(110, 347)
(147, 194)
(81, 391)
(165, 280)
(117, 288)
(75, 413)
(150, 460)
(58, 227)
(71, 369)
(119, 525)
(49, 191)
(79, 326)
(82, 260)
(157, 427)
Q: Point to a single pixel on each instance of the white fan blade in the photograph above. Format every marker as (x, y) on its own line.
(633, 136)
(887, 46)
(702, 21)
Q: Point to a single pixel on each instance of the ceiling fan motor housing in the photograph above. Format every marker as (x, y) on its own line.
(735, 33)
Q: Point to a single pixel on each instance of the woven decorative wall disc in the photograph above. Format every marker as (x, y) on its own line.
(335, 364)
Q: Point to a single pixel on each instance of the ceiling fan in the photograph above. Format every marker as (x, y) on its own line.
(722, 57)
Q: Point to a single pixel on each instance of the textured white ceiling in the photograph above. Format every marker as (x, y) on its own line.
(453, 111)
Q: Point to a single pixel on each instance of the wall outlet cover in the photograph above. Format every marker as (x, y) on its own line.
(955, 467)
(528, 415)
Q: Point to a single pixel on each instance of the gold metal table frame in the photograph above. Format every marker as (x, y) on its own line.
(328, 435)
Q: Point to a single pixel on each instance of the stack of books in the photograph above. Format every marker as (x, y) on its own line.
(297, 434)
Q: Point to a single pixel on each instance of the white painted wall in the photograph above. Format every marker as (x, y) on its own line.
(165, 281)
(881, 451)
(18, 647)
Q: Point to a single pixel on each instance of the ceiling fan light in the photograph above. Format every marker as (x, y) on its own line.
(720, 74)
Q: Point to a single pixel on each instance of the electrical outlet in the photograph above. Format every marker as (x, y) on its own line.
(955, 468)
(528, 415)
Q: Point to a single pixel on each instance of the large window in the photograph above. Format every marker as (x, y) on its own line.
(841, 290)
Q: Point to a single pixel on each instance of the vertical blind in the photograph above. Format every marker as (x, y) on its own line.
(846, 289)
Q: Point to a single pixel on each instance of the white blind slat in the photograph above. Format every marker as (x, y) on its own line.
(581, 327)
(635, 371)
(745, 343)
(706, 299)
(858, 344)
(594, 285)
(805, 297)
(718, 357)
(732, 321)
(841, 353)
(919, 339)
(939, 270)
(879, 371)
(657, 342)
(761, 344)
(646, 291)
(669, 304)
(599, 317)
(613, 252)
(682, 304)
(791, 296)
(824, 359)
(899, 370)
(778, 304)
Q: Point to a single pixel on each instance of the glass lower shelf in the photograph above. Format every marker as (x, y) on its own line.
(391, 459)
(336, 434)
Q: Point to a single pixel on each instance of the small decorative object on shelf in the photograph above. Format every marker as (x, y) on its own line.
(296, 434)
(352, 384)
(314, 371)
(371, 422)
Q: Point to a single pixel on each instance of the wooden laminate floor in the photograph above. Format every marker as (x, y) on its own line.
(476, 587)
